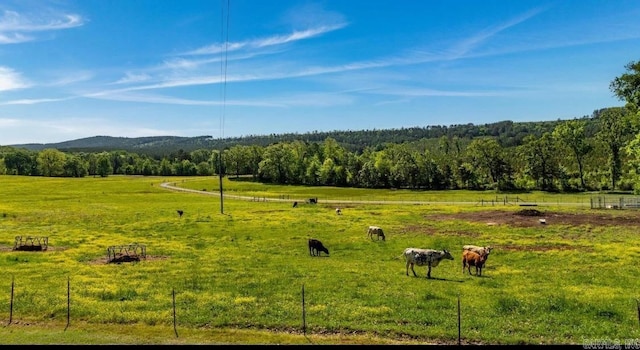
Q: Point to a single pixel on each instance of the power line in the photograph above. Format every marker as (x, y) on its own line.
(223, 74)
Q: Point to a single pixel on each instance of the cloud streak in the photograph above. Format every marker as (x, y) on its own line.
(264, 42)
(13, 26)
(11, 80)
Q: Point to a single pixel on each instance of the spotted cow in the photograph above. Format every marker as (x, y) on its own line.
(375, 231)
(424, 257)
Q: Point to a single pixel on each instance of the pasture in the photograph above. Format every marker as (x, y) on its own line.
(236, 273)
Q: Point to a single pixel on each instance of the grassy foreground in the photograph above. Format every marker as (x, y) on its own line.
(237, 269)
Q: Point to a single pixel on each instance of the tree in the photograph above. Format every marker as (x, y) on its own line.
(312, 172)
(572, 134)
(203, 169)
(633, 150)
(540, 155)
(75, 166)
(331, 149)
(489, 157)
(148, 168)
(103, 165)
(19, 162)
(326, 173)
(200, 155)
(276, 162)
(255, 157)
(627, 86)
(184, 168)
(236, 158)
(301, 158)
(51, 162)
(615, 129)
(165, 167)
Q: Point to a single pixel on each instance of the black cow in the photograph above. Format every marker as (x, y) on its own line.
(315, 247)
(295, 204)
(180, 212)
(313, 200)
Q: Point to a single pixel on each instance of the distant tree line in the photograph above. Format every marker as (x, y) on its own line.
(599, 152)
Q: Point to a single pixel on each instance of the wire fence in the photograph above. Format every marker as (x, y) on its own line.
(304, 326)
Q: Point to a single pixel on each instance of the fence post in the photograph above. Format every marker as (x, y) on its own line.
(459, 342)
(304, 318)
(68, 302)
(11, 304)
(638, 303)
(175, 330)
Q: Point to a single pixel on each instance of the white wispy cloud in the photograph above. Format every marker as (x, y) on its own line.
(13, 38)
(265, 42)
(9, 122)
(421, 92)
(68, 78)
(14, 25)
(11, 80)
(150, 98)
(133, 78)
(465, 46)
(34, 101)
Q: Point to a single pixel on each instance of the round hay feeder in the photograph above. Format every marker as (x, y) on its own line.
(31, 243)
(126, 253)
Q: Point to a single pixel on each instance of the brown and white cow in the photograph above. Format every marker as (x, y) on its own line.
(375, 231)
(424, 257)
(478, 249)
(471, 258)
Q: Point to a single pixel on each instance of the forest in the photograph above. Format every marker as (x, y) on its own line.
(592, 153)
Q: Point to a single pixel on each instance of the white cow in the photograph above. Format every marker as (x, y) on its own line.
(485, 251)
(375, 230)
(422, 257)
(338, 211)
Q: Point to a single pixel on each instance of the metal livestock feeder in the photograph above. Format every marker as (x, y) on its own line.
(31, 243)
(126, 253)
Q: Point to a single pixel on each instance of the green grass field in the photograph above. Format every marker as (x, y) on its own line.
(237, 268)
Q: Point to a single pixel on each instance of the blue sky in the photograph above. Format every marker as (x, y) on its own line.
(71, 69)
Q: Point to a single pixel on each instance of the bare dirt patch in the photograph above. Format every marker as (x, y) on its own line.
(540, 218)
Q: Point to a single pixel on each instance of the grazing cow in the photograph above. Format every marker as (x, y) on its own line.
(422, 257)
(375, 230)
(480, 250)
(338, 211)
(313, 200)
(180, 212)
(295, 204)
(315, 247)
(471, 258)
